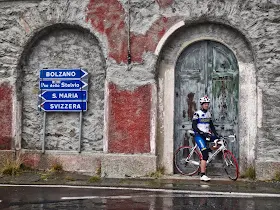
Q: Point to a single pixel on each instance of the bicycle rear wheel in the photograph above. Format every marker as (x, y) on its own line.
(185, 162)
(230, 165)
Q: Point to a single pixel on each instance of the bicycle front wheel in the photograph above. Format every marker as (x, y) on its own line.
(230, 165)
(187, 160)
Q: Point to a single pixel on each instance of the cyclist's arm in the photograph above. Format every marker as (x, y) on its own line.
(212, 127)
(195, 128)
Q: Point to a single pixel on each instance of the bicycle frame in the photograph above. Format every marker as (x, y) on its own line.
(221, 148)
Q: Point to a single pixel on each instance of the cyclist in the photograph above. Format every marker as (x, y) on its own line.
(204, 129)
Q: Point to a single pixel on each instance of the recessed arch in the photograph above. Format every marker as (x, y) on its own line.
(60, 46)
(247, 105)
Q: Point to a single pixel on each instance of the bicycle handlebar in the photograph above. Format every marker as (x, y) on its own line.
(222, 141)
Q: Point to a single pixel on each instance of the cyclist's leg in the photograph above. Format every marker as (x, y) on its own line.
(201, 143)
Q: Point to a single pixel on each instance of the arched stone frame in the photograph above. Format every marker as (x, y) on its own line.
(170, 47)
(30, 42)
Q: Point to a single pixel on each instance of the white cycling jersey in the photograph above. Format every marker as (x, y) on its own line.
(204, 119)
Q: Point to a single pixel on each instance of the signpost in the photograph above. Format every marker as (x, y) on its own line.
(63, 90)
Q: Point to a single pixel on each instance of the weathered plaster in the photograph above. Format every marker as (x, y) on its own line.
(248, 114)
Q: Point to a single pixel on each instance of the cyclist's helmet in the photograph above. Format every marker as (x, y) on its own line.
(204, 99)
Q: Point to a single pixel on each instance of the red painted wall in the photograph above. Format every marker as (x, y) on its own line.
(129, 120)
(108, 17)
(164, 3)
(5, 117)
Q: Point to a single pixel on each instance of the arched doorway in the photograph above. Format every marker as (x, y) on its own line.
(206, 68)
(229, 46)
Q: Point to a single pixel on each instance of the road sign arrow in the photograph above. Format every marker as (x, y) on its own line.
(42, 95)
(84, 84)
(83, 73)
(41, 107)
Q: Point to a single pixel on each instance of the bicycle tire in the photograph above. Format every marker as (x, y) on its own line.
(230, 165)
(183, 167)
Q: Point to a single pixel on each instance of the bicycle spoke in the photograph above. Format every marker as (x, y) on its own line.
(183, 161)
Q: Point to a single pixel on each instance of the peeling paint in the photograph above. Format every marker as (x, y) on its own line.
(191, 105)
(108, 17)
(129, 120)
(6, 116)
(164, 3)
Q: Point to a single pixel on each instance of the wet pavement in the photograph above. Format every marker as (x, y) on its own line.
(165, 182)
(74, 191)
(24, 197)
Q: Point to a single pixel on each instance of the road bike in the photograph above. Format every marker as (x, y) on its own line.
(187, 159)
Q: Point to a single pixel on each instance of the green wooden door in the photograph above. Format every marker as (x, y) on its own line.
(206, 68)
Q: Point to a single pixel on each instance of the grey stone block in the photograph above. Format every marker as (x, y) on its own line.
(119, 166)
(267, 170)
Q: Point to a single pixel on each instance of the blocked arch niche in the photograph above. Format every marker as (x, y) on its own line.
(173, 46)
(61, 46)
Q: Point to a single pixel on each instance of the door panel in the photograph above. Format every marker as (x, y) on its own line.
(206, 68)
(224, 90)
(189, 83)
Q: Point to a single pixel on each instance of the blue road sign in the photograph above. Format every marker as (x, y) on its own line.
(62, 74)
(64, 95)
(63, 90)
(63, 85)
(49, 106)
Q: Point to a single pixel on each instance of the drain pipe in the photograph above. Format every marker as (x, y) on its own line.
(128, 37)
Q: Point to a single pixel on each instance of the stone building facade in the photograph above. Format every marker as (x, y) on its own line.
(131, 49)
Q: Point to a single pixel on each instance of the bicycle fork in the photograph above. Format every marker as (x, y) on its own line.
(227, 161)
